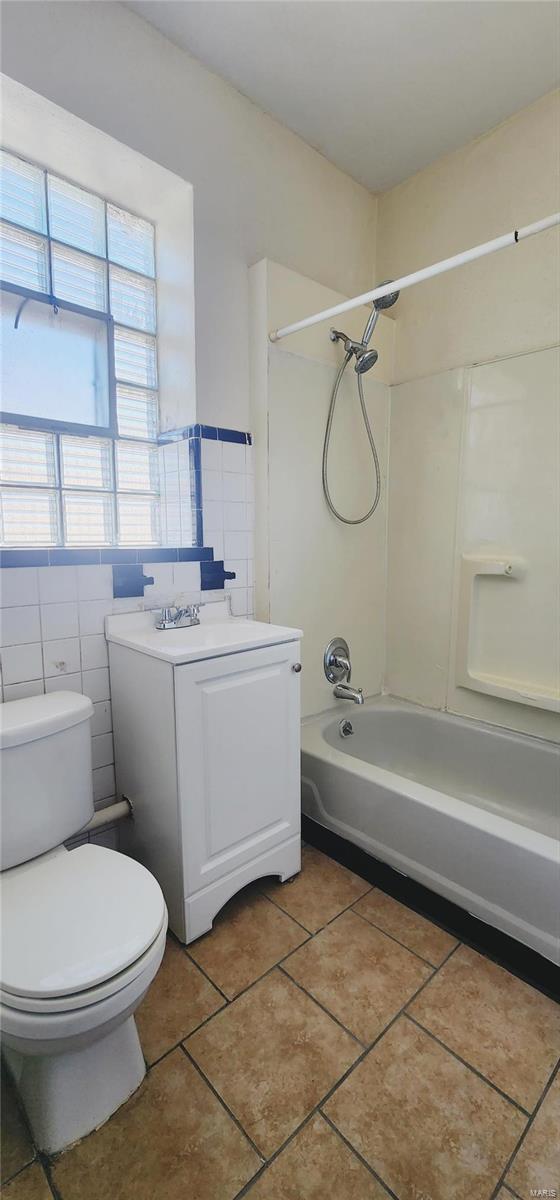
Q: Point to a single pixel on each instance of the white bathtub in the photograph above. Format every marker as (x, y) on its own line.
(469, 810)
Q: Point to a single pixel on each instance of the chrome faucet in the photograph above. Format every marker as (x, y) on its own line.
(343, 691)
(338, 669)
(178, 618)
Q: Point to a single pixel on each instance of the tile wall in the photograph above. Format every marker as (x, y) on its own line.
(211, 470)
(52, 617)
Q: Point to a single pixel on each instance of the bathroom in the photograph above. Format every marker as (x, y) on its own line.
(280, 665)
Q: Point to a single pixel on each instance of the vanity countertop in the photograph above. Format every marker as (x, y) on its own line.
(216, 635)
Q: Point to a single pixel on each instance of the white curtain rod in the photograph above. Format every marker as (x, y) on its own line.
(447, 264)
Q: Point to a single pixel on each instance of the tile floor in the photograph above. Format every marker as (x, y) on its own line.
(323, 1041)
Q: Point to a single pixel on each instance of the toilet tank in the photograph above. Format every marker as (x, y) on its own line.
(45, 773)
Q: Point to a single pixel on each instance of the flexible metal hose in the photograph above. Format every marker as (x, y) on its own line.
(328, 430)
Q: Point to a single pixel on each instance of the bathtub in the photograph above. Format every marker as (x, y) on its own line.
(469, 810)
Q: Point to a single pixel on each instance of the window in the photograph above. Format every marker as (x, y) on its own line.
(78, 452)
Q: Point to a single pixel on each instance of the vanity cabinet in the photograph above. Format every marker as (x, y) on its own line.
(208, 753)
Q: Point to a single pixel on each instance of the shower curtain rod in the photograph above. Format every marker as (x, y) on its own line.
(447, 264)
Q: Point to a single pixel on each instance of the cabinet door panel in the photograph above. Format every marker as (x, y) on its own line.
(238, 740)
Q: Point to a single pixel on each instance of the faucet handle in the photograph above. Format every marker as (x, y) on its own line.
(336, 661)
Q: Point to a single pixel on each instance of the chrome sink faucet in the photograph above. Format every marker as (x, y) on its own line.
(338, 669)
(178, 618)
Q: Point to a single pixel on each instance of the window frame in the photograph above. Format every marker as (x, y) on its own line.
(110, 432)
(50, 424)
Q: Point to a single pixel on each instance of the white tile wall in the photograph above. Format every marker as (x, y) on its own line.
(52, 639)
(59, 620)
(228, 517)
(52, 619)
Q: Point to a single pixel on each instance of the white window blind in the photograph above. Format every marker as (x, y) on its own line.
(61, 243)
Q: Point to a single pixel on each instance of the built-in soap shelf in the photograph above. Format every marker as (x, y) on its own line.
(521, 692)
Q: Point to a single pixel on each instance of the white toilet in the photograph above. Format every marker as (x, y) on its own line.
(83, 931)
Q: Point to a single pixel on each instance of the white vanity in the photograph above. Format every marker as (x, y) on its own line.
(207, 748)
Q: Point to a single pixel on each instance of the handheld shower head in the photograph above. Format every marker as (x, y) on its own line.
(365, 360)
(386, 301)
(376, 308)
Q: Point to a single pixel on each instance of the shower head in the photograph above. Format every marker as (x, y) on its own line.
(386, 301)
(365, 360)
(377, 307)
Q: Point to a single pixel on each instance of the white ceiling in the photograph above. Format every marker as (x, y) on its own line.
(380, 87)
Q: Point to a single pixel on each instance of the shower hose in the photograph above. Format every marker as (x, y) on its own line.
(328, 431)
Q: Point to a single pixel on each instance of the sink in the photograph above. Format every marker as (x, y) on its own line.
(213, 637)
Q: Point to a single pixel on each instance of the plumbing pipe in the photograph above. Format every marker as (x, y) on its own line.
(397, 285)
(106, 816)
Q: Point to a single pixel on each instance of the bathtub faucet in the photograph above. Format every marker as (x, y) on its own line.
(343, 691)
(338, 669)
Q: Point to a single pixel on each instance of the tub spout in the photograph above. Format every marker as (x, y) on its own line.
(343, 691)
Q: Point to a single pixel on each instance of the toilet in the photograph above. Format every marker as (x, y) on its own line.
(83, 930)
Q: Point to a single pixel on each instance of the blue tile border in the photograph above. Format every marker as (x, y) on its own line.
(212, 432)
(24, 558)
(59, 556)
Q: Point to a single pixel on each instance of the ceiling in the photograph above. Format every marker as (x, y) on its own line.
(380, 87)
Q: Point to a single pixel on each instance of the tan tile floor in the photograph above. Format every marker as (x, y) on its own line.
(322, 1042)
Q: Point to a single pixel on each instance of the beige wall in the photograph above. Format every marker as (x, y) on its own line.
(258, 188)
(473, 466)
(500, 305)
(311, 571)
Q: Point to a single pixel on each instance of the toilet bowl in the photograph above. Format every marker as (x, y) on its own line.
(83, 935)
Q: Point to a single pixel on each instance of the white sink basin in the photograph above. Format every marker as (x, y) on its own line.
(207, 640)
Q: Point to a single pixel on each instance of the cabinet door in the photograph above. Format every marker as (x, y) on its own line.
(238, 753)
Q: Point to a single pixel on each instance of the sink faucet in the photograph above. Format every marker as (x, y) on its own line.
(343, 691)
(179, 618)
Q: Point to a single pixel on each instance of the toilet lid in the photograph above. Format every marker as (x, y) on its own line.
(71, 921)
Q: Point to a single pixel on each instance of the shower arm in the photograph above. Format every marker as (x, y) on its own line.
(446, 264)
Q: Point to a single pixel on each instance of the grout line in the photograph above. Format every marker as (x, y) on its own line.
(303, 928)
(359, 1156)
(183, 1038)
(47, 1164)
(269, 1161)
(225, 1106)
(185, 949)
(309, 932)
(32, 1161)
(525, 1112)
(317, 1110)
(327, 1011)
(373, 924)
(523, 1135)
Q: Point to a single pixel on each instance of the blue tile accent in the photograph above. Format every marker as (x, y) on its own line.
(213, 432)
(130, 580)
(64, 557)
(24, 558)
(157, 554)
(212, 576)
(195, 466)
(118, 556)
(196, 554)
